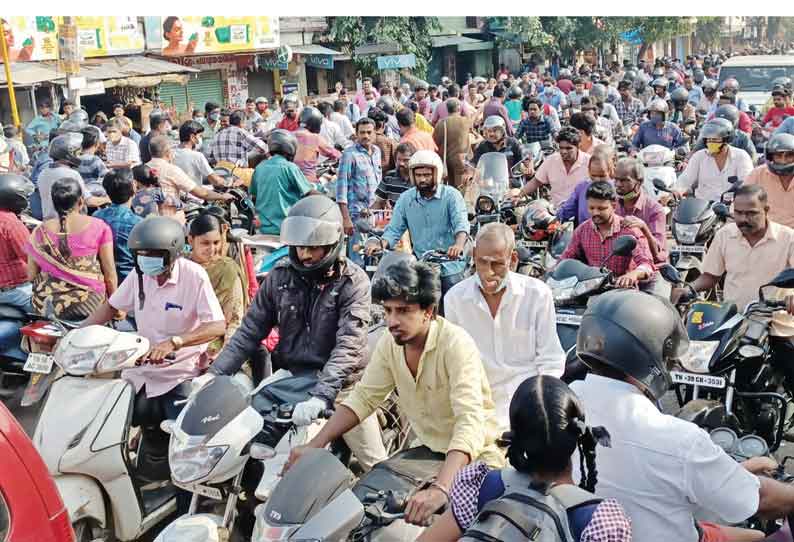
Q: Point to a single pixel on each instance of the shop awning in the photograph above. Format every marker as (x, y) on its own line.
(378, 49)
(462, 43)
(119, 71)
(313, 49)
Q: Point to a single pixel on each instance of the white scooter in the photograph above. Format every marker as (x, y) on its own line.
(83, 435)
(659, 164)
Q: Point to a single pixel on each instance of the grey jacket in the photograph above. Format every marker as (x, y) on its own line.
(320, 328)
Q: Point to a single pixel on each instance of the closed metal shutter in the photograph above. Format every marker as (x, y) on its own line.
(207, 87)
(174, 95)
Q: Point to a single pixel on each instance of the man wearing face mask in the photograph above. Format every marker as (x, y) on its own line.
(290, 121)
(192, 162)
(434, 214)
(656, 130)
(510, 317)
(776, 176)
(497, 140)
(707, 171)
(600, 168)
(211, 124)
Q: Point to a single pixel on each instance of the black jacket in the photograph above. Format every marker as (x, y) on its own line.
(320, 328)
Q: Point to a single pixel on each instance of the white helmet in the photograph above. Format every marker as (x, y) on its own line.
(426, 159)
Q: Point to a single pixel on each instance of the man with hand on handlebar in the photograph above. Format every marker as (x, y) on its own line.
(436, 370)
(593, 239)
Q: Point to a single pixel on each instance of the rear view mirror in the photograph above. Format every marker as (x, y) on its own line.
(670, 274)
(721, 210)
(658, 184)
(784, 279)
(624, 245)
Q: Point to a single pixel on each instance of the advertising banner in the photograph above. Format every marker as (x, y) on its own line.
(176, 35)
(36, 37)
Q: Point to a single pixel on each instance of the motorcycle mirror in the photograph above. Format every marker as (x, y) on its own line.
(658, 184)
(721, 210)
(624, 245)
(363, 225)
(670, 274)
(524, 254)
(784, 279)
(261, 451)
(167, 426)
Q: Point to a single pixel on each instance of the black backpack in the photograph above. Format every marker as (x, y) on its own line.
(525, 513)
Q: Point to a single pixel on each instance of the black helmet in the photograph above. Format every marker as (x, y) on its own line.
(67, 147)
(635, 333)
(158, 233)
(315, 221)
(71, 126)
(717, 128)
(79, 116)
(698, 75)
(728, 112)
(598, 92)
(659, 82)
(658, 72)
(709, 86)
(630, 75)
(386, 104)
(15, 190)
(730, 85)
(515, 93)
(311, 119)
(779, 143)
(679, 96)
(282, 142)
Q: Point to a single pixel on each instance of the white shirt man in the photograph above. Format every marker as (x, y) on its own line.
(712, 182)
(520, 339)
(344, 124)
(332, 132)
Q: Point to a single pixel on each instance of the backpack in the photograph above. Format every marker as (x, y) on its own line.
(526, 513)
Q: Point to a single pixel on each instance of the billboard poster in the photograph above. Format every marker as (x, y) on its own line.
(36, 37)
(177, 35)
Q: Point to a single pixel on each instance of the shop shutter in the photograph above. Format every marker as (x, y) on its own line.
(207, 87)
(174, 95)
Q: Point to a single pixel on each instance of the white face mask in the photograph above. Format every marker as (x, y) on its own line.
(502, 284)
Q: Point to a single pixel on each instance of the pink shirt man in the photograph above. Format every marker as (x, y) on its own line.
(183, 303)
(562, 182)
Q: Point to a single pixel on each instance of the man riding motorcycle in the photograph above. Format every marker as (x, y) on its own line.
(656, 130)
(776, 176)
(663, 469)
(683, 114)
(320, 302)
(497, 140)
(435, 368)
(15, 287)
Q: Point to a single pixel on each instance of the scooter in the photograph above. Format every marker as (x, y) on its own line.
(659, 166)
(84, 436)
(572, 284)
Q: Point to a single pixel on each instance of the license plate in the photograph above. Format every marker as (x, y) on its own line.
(372, 268)
(691, 249)
(39, 363)
(204, 491)
(573, 319)
(534, 244)
(707, 381)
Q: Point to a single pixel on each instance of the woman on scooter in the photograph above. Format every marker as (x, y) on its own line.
(70, 258)
(228, 281)
(547, 424)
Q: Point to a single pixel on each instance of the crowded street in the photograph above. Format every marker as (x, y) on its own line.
(396, 278)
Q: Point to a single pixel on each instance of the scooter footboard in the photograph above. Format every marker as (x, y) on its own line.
(197, 528)
(82, 497)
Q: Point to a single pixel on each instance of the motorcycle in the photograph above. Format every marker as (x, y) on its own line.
(572, 284)
(542, 239)
(491, 181)
(727, 378)
(694, 224)
(111, 488)
(659, 165)
(332, 508)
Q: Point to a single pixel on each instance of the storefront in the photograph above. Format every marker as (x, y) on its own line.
(457, 57)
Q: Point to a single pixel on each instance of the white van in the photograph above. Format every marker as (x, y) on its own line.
(755, 74)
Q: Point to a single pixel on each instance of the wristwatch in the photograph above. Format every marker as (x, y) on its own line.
(177, 341)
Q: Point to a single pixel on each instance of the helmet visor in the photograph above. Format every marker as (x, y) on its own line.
(304, 231)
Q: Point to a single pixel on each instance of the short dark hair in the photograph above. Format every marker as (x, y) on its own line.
(624, 84)
(145, 175)
(570, 135)
(578, 81)
(118, 106)
(453, 90)
(188, 129)
(155, 121)
(414, 282)
(10, 131)
(325, 108)
(405, 148)
(532, 100)
(601, 190)
(90, 137)
(498, 91)
(377, 114)
(583, 122)
(119, 185)
(752, 190)
(405, 117)
(210, 107)
(363, 121)
(236, 118)
(367, 80)
(339, 106)
(249, 101)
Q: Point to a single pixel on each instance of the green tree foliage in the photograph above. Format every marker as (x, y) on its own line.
(708, 30)
(412, 33)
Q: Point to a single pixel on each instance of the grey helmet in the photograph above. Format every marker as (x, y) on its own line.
(494, 121)
(79, 116)
(515, 93)
(717, 128)
(698, 75)
(659, 82)
(314, 221)
(282, 142)
(15, 191)
(311, 119)
(157, 233)
(67, 147)
(779, 143)
(679, 96)
(658, 106)
(598, 92)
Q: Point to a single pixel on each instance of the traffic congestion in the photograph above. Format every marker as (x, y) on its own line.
(548, 302)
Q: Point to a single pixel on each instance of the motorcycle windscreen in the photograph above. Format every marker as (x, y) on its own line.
(214, 407)
(705, 320)
(692, 211)
(492, 177)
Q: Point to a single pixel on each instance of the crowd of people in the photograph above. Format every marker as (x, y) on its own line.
(471, 348)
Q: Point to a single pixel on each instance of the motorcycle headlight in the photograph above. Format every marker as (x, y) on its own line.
(698, 356)
(587, 286)
(485, 205)
(77, 361)
(686, 233)
(190, 459)
(115, 360)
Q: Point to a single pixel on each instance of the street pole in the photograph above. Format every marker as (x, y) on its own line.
(69, 56)
(7, 63)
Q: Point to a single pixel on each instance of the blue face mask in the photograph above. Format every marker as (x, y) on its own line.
(151, 266)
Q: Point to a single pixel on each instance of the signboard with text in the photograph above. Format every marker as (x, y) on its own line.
(36, 37)
(395, 62)
(177, 35)
(323, 62)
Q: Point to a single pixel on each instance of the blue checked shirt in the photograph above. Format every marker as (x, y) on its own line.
(121, 220)
(359, 175)
(92, 169)
(669, 136)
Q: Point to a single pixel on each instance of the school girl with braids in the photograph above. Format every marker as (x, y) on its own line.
(70, 258)
(547, 424)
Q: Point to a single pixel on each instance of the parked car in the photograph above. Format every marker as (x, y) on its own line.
(31, 509)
